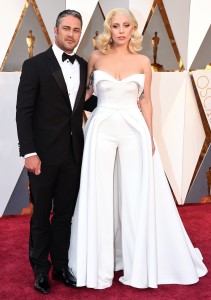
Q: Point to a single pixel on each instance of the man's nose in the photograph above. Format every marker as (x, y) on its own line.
(70, 32)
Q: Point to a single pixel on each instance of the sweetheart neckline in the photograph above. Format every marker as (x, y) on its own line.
(118, 79)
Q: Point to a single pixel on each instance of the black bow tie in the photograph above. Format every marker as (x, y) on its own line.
(70, 57)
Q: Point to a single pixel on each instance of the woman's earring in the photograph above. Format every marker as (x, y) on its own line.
(110, 41)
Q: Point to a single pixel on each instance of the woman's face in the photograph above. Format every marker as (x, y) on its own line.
(121, 29)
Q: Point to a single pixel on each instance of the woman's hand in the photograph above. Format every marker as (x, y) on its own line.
(139, 103)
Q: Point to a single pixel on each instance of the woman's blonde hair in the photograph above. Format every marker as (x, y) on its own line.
(104, 41)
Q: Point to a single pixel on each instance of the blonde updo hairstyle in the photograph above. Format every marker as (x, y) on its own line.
(104, 41)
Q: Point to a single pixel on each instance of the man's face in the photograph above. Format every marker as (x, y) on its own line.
(68, 33)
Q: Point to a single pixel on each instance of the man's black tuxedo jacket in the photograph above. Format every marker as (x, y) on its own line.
(46, 123)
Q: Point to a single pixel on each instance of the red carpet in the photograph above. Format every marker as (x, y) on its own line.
(16, 279)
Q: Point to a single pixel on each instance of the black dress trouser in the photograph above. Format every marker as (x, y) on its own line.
(55, 189)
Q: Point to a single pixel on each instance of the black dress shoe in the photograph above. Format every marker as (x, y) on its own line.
(41, 283)
(65, 275)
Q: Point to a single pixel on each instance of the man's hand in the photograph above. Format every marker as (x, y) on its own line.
(33, 164)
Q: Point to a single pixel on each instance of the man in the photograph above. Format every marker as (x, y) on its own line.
(49, 122)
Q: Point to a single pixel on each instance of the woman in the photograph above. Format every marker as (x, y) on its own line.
(125, 217)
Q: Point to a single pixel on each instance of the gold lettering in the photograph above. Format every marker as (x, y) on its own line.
(206, 91)
(202, 82)
(207, 104)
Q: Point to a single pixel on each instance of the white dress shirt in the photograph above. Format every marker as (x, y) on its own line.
(71, 73)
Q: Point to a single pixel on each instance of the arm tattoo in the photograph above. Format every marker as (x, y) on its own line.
(91, 80)
(141, 96)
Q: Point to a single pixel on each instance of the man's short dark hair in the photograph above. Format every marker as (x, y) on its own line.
(68, 12)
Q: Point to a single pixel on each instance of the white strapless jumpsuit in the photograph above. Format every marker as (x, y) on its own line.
(125, 216)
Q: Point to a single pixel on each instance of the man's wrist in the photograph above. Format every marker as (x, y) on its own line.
(30, 154)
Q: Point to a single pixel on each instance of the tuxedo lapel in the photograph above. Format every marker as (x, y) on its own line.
(82, 84)
(57, 73)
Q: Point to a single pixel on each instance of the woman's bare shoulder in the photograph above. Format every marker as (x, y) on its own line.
(144, 59)
(96, 54)
(144, 63)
